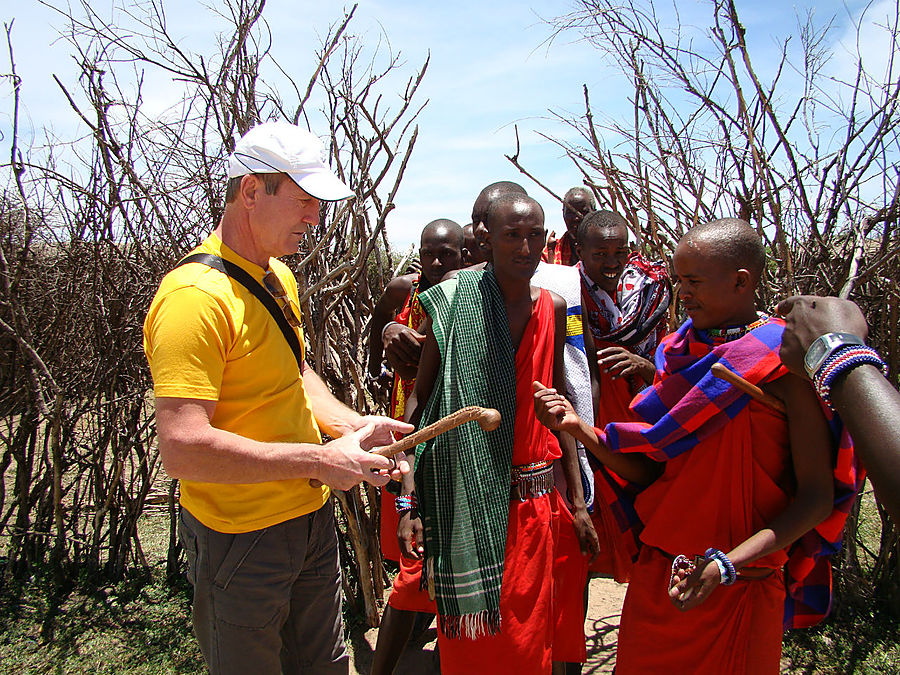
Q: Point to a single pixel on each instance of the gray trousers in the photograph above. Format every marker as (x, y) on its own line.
(267, 601)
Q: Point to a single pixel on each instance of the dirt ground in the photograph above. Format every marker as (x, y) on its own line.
(601, 628)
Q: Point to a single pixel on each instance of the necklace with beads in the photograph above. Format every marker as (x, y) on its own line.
(723, 335)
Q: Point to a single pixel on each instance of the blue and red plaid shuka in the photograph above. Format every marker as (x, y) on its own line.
(687, 403)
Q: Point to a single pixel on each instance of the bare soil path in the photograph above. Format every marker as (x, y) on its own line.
(420, 658)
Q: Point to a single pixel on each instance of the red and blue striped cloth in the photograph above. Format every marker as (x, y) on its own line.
(687, 403)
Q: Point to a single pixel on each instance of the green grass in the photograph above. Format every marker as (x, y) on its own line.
(139, 626)
(865, 643)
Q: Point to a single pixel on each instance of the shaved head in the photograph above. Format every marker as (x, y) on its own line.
(489, 194)
(580, 192)
(445, 230)
(732, 241)
(517, 204)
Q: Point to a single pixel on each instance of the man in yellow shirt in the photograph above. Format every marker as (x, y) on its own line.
(239, 414)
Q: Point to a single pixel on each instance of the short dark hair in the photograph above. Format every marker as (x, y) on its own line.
(733, 240)
(270, 180)
(602, 220)
(512, 198)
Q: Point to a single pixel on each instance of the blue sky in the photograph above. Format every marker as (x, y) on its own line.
(490, 69)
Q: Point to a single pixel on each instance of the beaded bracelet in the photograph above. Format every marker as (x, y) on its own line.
(726, 567)
(405, 503)
(842, 361)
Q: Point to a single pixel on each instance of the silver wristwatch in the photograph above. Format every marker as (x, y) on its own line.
(824, 346)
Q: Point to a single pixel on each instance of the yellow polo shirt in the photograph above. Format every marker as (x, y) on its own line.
(206, 337)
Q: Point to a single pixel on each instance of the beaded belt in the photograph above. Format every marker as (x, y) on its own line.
(531, 480)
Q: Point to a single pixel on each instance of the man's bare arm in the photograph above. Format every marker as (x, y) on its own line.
(409, 529)
(555, 412)
(865, 400)
(870, 407)
(192, 449)
(584, 527)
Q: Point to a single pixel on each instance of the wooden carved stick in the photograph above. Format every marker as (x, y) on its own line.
(487, 418)
(723, 373)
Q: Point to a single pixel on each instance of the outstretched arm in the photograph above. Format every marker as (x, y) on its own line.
(192, 449)
(555, 412)
(810, 445)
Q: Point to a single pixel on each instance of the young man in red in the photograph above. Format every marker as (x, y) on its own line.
(750, 500)
(625, 301)
(490, 514)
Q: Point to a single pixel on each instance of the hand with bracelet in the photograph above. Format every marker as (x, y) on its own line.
(410, 534)
(692, 582)
(853, 383)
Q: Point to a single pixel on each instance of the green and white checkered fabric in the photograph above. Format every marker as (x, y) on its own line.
(463, 476)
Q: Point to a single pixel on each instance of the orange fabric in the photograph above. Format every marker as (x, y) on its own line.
(563, 253)
(390, 520)
(717, 495)
(533, 605)
(570, 570)
(407, 594)
(610, 406)
(613, 560)
(736, 631)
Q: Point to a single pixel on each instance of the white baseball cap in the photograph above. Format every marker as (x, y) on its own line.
(282, 147)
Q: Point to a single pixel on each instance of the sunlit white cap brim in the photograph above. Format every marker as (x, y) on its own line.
(322, 185)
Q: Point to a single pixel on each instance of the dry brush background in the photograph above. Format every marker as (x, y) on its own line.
(88, 227)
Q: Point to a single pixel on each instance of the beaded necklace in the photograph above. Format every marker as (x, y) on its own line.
(720, 336)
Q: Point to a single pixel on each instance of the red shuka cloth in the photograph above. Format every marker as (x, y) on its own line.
(541, 597)
(611, 405)
(717, 495)
(563, 253)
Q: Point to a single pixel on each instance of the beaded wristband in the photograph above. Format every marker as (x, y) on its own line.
(842, 361)
(405, 503)
(723, 573)
(726, 567)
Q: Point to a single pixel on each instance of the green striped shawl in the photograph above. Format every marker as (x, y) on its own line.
(463, 476)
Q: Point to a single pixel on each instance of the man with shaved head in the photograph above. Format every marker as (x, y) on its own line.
(737, 528)
(577, 203)
(440, 251)
(491, 549)
(480, 209)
